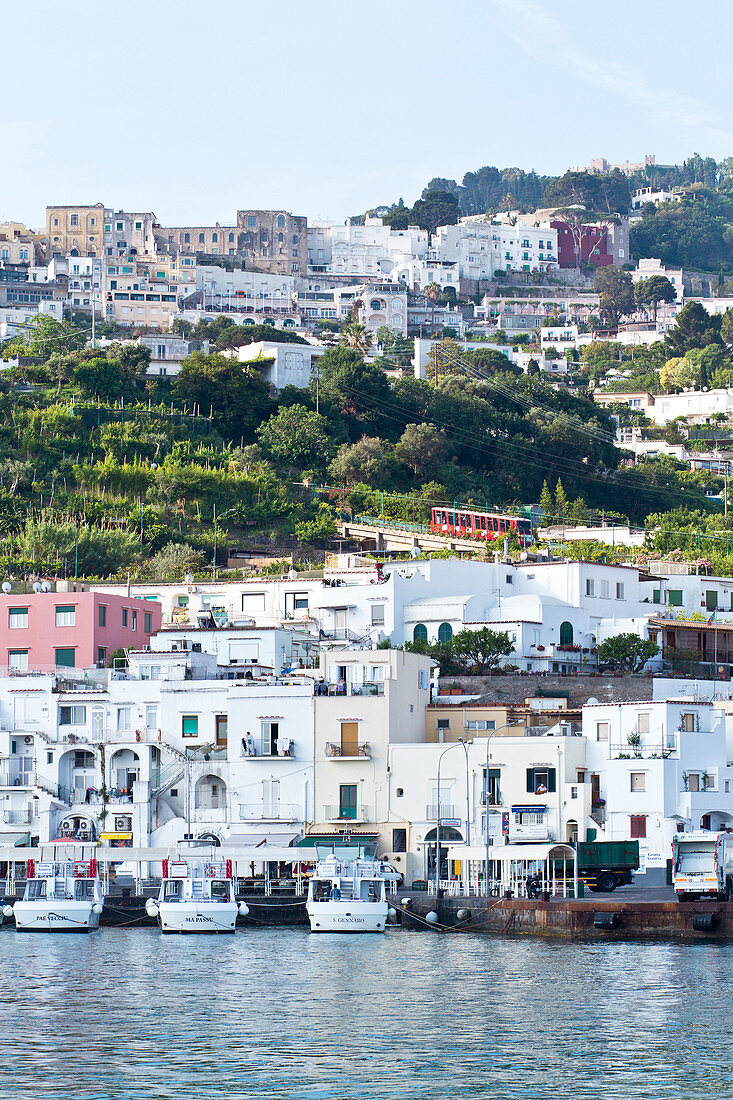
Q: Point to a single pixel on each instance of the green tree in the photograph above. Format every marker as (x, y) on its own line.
(422, 448)
(357, 336)
(652, 291)
(366, 461)
(436, 208)
(562, 504)
(357, 389)
(480, 651)
(235, 393)
(694, 328)
(616, 292)
(547, 504)
(626, 652)
(174, 561)
(297, 436)
(726, 330)
(678, 374)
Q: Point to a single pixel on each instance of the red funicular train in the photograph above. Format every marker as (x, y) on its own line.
(478, 525)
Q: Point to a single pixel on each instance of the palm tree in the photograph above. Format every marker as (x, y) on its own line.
(432, 292)
(356, 336)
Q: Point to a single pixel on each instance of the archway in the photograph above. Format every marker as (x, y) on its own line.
(123, 771)
(211, 793)
(448, 835)
(445, 633)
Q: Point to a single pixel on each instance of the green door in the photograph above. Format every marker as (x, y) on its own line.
(711, 600)
(347, 801)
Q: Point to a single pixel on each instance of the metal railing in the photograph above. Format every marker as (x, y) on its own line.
(16, 817)
(369, 688)
(261, 811)
(17, 779)
(348, 751)
(346, 813)
(432, 812)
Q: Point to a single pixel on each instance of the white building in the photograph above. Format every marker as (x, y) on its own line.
(240, 291)
(643, 195)
(368, 251)
(480, 248)
(281, 364)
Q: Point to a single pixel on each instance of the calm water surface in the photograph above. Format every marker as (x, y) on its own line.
(129, 1014)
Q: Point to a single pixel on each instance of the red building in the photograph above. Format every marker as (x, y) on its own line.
(72, 629)
(593, 241)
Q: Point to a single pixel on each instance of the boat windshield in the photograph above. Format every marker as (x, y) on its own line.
(173, 890)
(219, 890)
(35, 889)
(83, 888)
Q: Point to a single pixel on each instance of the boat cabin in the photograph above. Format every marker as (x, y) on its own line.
(197, 880)
(71, 880)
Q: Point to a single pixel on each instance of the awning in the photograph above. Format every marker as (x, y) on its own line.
(15, 840)
(260, 840)
(337, 839)
(508, 853)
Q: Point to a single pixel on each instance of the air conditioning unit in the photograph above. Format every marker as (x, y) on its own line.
(28, 740)
(122, 824)
(174, 647)
(146, 649)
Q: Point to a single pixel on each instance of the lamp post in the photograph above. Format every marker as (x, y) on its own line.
(486, 824)
(462, 742)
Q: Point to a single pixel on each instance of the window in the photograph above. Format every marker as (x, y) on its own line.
(151, 718)
(65, 615)
(423, 680)
(147, 622)
(603, 730)
(674, 597)
(566, 633)
(445, 633)
(17, 618)
(642, 721)
(201, 238)
(102, 614)
(637, 782)
(590, 588)
(420, 633)
(189, 725)
(541, 780)
(252, 221)
(688, 722)
(620, 590)
(377, 614)
(444, 723)
(18, 659)
(300, 603)
(281, 221)
(186, 238)
(101, 656)
(536, 637)
(183, 601)
(605, 590)
(399, 840)
(134, 620)
(270, 732)
(65, 658)
(480, 724)
(74, 220)
(637, 826)
(693, 782)
(123, 718)
(124, 616)
(72, 716)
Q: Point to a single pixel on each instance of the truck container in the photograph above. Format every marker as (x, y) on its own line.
(605, 864)
(702, 865)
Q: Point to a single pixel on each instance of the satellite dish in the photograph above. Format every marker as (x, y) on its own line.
(36, 586)
(188, 578)
(46, 586)
(7, 587)
(592, 700)
(292, 575)
(415, 552)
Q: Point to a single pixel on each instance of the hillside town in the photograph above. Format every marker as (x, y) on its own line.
(570, 659)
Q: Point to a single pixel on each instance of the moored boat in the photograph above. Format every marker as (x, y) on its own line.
(196, 895)
(60, 896)
(347, 892)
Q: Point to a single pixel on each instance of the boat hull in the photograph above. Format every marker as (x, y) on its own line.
(198, 917)
(347, 916)
(63, 916)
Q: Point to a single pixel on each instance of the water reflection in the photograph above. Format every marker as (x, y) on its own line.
(283, 1014)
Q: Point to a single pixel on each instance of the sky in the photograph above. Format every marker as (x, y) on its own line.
(327, 108)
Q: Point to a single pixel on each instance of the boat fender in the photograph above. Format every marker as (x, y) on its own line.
(432, 917)
(7, 911)
(463, 914)
(404, 902)
(243, 909)
(97, 908)
(151, 907)
(391, 915)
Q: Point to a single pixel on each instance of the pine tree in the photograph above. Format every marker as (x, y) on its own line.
(562, 504)
(547, 504)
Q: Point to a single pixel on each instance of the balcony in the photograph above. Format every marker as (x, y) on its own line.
(17, 779)
(625, 751)
(346, 814)
(16, 817)
(258, 811)
(349, 752)
(447, 811)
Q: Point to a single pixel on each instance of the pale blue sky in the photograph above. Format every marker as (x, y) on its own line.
(193, 109)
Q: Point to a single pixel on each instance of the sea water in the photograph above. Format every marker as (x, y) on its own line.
(280, 1013)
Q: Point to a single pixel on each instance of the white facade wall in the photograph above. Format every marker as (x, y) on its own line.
(370, 250)
(292, 363)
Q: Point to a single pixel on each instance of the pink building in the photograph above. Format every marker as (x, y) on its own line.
(72, 629)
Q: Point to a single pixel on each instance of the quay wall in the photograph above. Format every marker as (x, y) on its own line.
(568, 919)
(513, 690)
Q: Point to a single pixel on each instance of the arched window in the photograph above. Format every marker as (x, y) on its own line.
(420, 633)
(281, 237)
(375, 304)
(566, 633)
(186, 238)
(201, 238)
(231, 238)
(445, 633)
(281, 221)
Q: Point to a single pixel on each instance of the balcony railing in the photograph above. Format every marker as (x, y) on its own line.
(644, 751)
(16, 817)
(258, 811)
(346, 813)
(17, 779)
(348, 751)
(446, 811)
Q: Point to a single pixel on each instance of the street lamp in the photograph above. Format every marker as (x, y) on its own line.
(462, 742)
(506, 726)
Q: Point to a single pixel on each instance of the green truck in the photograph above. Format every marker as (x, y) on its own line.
(605, 864)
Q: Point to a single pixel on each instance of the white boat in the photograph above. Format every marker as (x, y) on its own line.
(61, 896)
(348, 892)
(196, 895)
